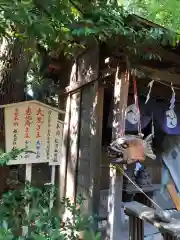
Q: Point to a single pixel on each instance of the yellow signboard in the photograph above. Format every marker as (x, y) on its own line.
(34, 126)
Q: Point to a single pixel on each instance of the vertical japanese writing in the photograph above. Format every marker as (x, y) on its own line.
(15, 130)
(28, 122)
(48, 134)
(39, 122)
(57, 142)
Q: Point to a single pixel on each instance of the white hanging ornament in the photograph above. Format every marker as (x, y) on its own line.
(152, 126)
(150, 88)
(132, 114)
(171, 116)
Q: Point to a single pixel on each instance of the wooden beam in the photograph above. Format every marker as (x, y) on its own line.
(160, 52)
(160, 75)
(118, 129)
(165, 75)
(86, 69)
(147, 22)
(158, 92)
(144, 48)
(168, 55)
(76, 87)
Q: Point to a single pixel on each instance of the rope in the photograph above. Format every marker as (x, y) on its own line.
(140, 189)
(156, 80)
(165, 84)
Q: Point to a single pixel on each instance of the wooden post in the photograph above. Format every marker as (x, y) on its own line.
(136, 228)
(28, 177)
(65, 143)
(90, 137)
(53, 176)
(73, 146)
(96, 148)
(121, 87)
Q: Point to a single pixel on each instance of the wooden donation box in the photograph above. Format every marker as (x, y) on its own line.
(35, 127)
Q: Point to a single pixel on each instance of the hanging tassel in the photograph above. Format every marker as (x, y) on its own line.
(173, 98)
(150, 88)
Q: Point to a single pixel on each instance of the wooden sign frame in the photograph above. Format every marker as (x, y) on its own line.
(38, 131)
(54, 139)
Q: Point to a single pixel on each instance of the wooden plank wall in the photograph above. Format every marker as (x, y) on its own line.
(83, 134)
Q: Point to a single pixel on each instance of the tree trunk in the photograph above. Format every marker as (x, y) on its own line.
(14, 64)
(15, 59)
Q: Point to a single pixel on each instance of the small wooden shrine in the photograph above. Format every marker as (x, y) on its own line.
(102, 83)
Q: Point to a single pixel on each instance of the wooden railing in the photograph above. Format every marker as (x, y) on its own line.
(139, 213)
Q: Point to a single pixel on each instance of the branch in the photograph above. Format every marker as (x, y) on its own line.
(41, 8)
(76, 6)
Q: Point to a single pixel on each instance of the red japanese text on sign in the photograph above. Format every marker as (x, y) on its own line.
(40, 112)
(28, 122)
(16, 115)
(39, 121)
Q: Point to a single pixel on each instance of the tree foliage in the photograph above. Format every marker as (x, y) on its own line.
(43, 21)
(162, 12)
(43, 222)
(58, 23)
(62, 25)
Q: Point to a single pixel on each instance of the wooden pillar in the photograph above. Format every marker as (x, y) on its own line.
(88, 181)
(118, 129)
(68, 128)
(96, 147)
(65, 143)
(73, 145)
